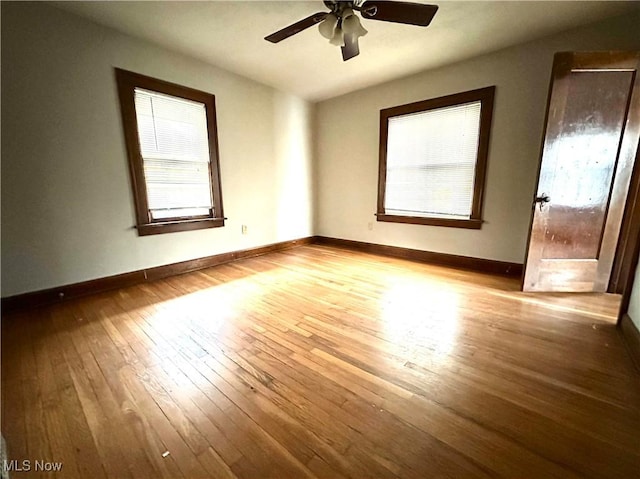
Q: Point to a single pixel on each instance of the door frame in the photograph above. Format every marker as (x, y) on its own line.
(628, 250)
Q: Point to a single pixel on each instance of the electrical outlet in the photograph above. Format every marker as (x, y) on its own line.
(370, 225)
(244, 229)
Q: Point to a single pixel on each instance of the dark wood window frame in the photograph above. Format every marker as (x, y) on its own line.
(485, 96)
(127, 82)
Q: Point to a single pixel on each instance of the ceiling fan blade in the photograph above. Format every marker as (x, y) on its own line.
(399, 12)
(350, 48)
(297, 27)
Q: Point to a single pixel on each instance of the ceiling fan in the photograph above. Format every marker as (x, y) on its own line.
(342, 27)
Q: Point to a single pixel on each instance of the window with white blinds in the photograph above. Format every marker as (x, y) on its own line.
(430, 154)
(431, 159)
(174, 146)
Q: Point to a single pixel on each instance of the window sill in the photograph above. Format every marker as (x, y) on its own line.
(474, 224)
(175, 226)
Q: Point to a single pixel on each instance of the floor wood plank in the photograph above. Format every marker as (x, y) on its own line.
(318, 362)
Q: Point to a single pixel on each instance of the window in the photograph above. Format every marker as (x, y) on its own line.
(171, 138)
(433, 157)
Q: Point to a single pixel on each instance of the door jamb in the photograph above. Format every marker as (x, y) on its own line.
(628, 250)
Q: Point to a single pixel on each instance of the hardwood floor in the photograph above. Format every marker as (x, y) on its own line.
(322, 362)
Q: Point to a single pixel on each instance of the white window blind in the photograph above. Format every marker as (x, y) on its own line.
(175, 151)
(431, 160)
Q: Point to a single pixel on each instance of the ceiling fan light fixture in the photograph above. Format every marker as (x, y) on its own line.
(352, 26)
(347, 12)
(328, 25)
(338, 37)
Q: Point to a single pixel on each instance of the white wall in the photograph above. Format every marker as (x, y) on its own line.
(634, 304)
(347, 145)
(67, 208)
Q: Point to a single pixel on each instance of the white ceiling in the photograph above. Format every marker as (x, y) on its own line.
(230, 35)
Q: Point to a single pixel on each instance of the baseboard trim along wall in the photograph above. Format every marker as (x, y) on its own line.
(443, 259)
(54, 295)
(631, 337)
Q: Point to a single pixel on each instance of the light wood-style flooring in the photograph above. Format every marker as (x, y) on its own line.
(327, 363)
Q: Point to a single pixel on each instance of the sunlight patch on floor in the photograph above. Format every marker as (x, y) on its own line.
(420, 315)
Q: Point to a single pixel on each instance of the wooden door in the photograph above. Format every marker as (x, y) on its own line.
(588, 153)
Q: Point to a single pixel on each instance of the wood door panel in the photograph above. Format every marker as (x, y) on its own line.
(593, 116)
(579, 241)
(555, 274)
(586, 151)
